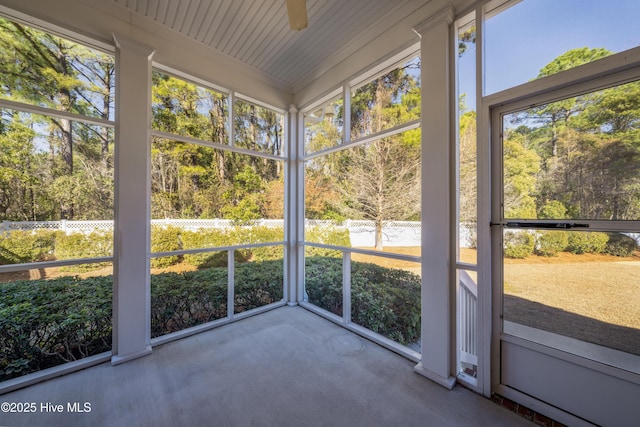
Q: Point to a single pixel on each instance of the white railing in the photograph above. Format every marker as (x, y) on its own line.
(467, 319)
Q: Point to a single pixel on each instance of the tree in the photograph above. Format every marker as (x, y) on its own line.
(195, 181)
(45, 70)
(381, 181)
(520, 166)
(581, 153)
(378, 181)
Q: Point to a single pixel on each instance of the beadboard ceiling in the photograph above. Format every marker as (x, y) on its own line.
(257, 33)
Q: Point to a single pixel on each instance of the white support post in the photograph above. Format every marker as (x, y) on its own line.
(291, 201)
(436, 192)
(131, 293)
(299, 207)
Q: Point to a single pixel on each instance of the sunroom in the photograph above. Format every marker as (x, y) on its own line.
(450, 184)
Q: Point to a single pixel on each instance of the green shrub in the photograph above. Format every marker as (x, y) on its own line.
(550, 243)
(553, 209)
(19, 247)
(328, 236)
(79, 245)
(581, 242)
(44, 323)
(384, 300)
(183, 300)
(257, 284)
(207, 238)
(518, 244)
(620, 245)
(259, 234)
(267, 253)
(238, 235)
(323, 282)
(165, 239)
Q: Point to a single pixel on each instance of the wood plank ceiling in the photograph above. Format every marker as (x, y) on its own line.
(257, 33)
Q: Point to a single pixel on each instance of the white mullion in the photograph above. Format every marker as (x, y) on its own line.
(50, 264)
(210, 144)
(413, 124)
(346, 115)
(346, 286)
(231, 99)
(36, 109)
(230, 283)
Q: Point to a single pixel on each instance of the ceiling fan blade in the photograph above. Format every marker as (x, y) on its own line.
(297, 10)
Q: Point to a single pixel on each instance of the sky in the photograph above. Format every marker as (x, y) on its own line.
(524, 38)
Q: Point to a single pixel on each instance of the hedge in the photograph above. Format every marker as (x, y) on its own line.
(581, 242)
(329, 236)
(44, 323)
(165, 239)
(20, 247)
(518, 244)
(384, 300)
(210, 238)
(620, 245)
(550, 243)
(79, 245)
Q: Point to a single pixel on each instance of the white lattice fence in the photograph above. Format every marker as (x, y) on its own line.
(361, 232)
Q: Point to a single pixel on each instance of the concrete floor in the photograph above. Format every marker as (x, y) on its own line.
(287, 367)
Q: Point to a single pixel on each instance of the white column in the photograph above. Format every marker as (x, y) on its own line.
(436, 192)
(291, 198)
(131, 294)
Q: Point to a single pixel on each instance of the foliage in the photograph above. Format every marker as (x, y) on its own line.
(553, 209)
(54, 168)
(521, 165)
(19, 247)
(550, 243)
(323, 282)
(621, 245)
(257, 284)
(582, 242)
(468, 186)
(183, 300)
(572, 59)
(165, 239)
(518, 244)
(46, 323)
(80, 245)
(208, 238)
(378, 181)
(384, 300)
(329, 236)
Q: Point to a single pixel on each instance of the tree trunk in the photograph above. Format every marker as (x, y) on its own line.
(379, 235)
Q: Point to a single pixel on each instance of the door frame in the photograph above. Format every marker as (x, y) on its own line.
(616, 69)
